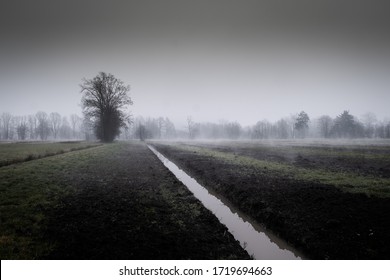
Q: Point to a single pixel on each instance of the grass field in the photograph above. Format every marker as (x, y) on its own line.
(353, 168)
(114, 201)
(118, 201)
(11, 153)
(331, 200)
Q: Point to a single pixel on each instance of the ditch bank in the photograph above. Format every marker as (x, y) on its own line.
(253, 237)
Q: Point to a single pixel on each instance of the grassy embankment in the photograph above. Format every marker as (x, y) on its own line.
(114, 201)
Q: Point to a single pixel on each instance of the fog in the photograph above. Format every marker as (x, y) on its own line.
(214, 60)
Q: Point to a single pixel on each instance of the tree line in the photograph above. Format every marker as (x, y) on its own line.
(150, 128)
(300, 125)
(297, 126)
(41, 126)
(53, 126)
(105, 101)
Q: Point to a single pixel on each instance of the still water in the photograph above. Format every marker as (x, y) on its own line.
(259, 243)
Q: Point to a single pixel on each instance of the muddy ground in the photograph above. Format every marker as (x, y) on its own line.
(320, 220)
(127, 205)
(363, 160)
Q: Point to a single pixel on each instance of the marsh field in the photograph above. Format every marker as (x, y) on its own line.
(329, 200)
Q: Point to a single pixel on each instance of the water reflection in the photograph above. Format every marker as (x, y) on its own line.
(252, 237)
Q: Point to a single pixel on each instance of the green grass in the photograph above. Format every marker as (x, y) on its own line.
(347, 181)
(11, 153)
(28, 192)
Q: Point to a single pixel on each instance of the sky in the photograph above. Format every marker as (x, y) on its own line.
(213, 60)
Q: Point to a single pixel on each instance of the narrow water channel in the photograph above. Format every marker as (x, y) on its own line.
(253, 237)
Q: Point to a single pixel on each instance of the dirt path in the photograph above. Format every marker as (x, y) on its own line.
(129, 206)
(320, 220)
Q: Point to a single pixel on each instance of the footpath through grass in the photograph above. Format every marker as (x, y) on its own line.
(115, 201)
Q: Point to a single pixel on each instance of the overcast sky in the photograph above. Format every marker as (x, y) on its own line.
(235, 60)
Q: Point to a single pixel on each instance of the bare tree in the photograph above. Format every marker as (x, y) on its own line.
(65, 131)
(387, 130)
(75, 121)
(32, 126)
(192, 127)
(325, 126)
(22, 128)
(141, 132)
(104, 100)
(282, 129)
(87, 128)
(55, 123)
(262, 130)
(6, 120)
(170, 130)
(161, 125)
(382, 129)
(43, 128)
(128, 126)
(369, 120)
(232, 130)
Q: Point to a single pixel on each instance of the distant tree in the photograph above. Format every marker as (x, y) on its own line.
(43, 128)
(387, 130)
(141, 132)
(346, 126)
(325, 126)
(262, 130)
(55, 123)
(75, 121)
(104, 100)
(87, 129)
(32, 126)
(12, 128)
(369, 122)
(126, 133)
(65, 131)
(6, 119)
(152, 128)
(22, 128)
(170, 130)
(161, 126)
(382, 130)
(191, 126)
(301, 124)
(212, 130)
(233, 130)
(282, 129)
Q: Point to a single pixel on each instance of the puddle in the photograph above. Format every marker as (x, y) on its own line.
(253, 237)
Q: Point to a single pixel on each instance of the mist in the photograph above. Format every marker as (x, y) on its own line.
(235, 61)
